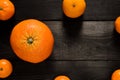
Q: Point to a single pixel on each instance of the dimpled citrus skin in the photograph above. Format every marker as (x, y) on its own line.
(116, 75)
(7, 9)
(117, 24)
(32, 41)
(62, 77)
(5, 68)
(74, 8)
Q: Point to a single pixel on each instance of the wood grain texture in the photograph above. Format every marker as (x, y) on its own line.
(86, 48)
(76, 70)
(88, 40)
(52, 9)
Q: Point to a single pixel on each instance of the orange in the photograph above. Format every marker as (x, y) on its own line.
(7, 9)
(32, 40)
(62, 77)
(74, 8)
(117, 24)
(116, 75)
(5, 68)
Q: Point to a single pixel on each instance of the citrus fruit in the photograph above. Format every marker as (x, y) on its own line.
(116, 75)
(117, 24)
(74, 8)
(5, 68)
(32, 40)
(62, 77)
(7, 9)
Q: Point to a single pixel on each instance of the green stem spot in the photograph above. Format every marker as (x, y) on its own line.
(30, 40)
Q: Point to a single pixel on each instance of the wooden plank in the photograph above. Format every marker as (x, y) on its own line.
(76, 70)
(89, 40)
(52, 9)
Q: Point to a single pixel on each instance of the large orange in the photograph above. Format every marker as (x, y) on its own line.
(74, 8)
(117, 24)
(116, 75)
(7, 9)
(5, 68)
(32, 41)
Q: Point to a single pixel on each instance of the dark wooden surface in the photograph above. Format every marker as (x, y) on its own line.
(86, 48)
(52, 9)
(76, 70)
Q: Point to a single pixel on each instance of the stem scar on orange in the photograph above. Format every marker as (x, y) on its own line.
(116, 75)
(5, 68)
(74, 8)
(62, 77)
(117, 24)
(32, 41)
(7, 9)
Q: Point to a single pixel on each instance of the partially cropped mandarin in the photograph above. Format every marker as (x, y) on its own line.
(7, 9)
(62, 77)
(5, 68)
(117, 24)
(116, 75)
(74, 8)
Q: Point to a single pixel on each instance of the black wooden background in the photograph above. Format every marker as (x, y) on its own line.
(86, 48)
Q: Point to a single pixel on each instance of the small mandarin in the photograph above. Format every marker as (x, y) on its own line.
(62, 77)
(116, 75)
(7, 9)
(5, 68)
(74, 8)
(117, 24)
